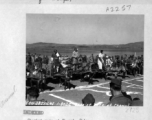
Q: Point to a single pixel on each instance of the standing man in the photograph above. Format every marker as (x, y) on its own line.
(29, 59)
(56, 56)
(44, 62)
(75, 55)
(39, 61)
(50, 65)
(108, 61)
(100, 60)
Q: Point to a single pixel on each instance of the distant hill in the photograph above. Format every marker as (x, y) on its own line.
(41, 47)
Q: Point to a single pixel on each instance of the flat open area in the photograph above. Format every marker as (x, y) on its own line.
(100, 90)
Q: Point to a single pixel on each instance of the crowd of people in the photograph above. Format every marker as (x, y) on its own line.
(131, 64)
(42, 66)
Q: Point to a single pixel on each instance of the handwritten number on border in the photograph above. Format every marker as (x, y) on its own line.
(132, 110)
(116, 9)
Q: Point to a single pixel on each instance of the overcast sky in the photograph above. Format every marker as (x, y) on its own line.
(84, 29)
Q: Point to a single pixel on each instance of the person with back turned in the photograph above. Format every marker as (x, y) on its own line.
(118, 98)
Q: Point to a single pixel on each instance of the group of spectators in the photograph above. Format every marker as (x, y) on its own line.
(36, 63)
(131, 64)
(49, 64)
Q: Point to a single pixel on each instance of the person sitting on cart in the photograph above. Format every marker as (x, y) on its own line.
(75, 55)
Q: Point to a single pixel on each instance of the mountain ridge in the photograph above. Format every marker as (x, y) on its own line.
(49, 47)
(44, 43)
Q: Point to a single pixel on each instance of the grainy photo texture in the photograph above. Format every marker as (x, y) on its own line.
(84, 60)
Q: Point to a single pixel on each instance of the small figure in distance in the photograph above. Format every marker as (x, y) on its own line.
(75, 56)
(100, 60)
(75, 53)
(56, 63)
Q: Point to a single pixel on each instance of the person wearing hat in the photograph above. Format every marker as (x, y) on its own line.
(118, 98)
(123, 91)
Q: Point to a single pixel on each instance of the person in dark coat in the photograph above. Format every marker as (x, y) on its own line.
(88, 100)
(32, 94)
(118, 98)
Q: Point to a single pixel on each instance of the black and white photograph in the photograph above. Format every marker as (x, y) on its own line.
(84, 60)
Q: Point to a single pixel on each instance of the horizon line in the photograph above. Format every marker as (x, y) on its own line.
(82, 44)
